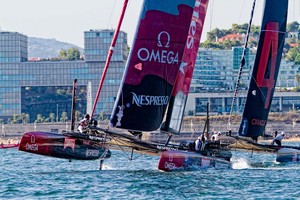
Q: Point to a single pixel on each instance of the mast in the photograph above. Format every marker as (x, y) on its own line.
(110, 53)
(73, 105)
(242, 65)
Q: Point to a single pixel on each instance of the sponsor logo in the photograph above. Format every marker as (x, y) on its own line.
(92, 153)
(245, 124)
(32, 146)
(147, 100)
(69, 142)
(294, 159)
(170, 165)
(99, 138)
(162, 55)
(205, 162)
(165, 148)
(258, 122)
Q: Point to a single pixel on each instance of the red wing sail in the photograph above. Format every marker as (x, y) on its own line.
(183, 81)
(153, 64)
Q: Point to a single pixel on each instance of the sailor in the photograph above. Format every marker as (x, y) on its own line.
(83, 124)
(198, 143)
(275, 133)
(203, 140)
(278, 139)
(229, 132)
(215, 136)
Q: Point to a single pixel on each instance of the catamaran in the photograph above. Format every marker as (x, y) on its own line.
(152, 94)
(156, 82)
(263, 81)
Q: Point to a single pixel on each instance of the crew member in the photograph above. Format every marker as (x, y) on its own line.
(278, 139)
(83, 124)
(215, 137)
(198, 144)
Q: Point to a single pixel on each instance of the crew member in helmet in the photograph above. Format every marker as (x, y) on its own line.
(278, 139)
(83, 124)
(216, 136)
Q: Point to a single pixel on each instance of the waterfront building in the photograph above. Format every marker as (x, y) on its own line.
(215, 76)
(17, 75)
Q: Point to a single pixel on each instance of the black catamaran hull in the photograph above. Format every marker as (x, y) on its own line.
(182, 160)
(63, 146)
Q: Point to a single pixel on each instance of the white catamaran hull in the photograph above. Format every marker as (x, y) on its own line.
(288, 155)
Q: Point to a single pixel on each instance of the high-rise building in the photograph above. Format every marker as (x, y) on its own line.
(13, 47)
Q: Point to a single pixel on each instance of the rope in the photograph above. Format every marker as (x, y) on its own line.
(241, 66)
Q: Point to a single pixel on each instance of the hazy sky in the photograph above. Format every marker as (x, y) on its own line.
(66, 20)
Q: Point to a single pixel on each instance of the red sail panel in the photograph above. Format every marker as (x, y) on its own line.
(153, 64)
(265, 69)
(181, 89)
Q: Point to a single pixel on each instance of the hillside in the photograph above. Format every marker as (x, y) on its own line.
(47, 48)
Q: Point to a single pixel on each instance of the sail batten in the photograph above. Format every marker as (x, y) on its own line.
(265, 69)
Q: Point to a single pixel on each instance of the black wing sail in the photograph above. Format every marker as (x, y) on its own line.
(265, 69)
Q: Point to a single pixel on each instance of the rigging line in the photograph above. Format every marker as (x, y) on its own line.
(122, 149)
(242, 65)
(211, 14)
(109, 55)
(241, 13)
(109, 20)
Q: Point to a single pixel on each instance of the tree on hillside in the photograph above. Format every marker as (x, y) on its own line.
(229, 44)
(255, 30)
(297, 79)
(217, 33)
(63, 54)
(293, 53)
(297, 59)
(73, 54)
(293, 27)
(25, 118)
(209, 44)
(236, 28)
(70, 54)
(39, 118)
(64, 117)
(52, 117)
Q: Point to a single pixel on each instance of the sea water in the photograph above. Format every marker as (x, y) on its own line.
(254, 176)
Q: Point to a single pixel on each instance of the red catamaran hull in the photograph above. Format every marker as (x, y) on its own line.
(62, 146)
(180, 160)
(6, 146)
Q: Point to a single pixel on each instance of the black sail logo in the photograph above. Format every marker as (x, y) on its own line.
(147, 100)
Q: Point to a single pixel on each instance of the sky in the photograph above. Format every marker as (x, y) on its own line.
(66, 20)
